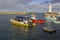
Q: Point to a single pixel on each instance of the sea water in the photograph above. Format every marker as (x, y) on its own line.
(11, 32)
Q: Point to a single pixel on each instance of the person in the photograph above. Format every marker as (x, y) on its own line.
(25, 20)
(33, 16)
(30, 23)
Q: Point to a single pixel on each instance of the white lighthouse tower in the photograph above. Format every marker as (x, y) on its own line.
(50, 7)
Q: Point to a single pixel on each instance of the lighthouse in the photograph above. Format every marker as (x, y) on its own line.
(50, 7)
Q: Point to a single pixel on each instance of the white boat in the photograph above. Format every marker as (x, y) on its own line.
(57, 22)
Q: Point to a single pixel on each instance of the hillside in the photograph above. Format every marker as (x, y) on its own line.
(13, 12)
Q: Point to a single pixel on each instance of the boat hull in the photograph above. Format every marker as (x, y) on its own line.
(57, 22)
(17, 23)
(49, 30)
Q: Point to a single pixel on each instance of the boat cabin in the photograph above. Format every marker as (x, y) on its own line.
(21, 18)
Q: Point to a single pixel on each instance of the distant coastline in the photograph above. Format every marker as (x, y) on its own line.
(13, 12)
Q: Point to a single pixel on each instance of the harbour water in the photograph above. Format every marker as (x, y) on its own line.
(11, 32)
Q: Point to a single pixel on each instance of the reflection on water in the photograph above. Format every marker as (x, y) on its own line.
(23, 33)
(21, 28)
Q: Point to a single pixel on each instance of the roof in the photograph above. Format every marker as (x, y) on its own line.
(21, 17)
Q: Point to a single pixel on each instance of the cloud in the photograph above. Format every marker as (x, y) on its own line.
(7, 4)
(35, 8)
(55, 1)
(52, 1)
(24, 6)
(42, 8)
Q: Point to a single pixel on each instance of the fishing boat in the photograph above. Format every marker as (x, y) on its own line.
(34, 20)
(58, 19)
(17, 23)
(26, 21)
(22, 21)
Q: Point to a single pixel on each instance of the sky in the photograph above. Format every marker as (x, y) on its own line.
(27, 5)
